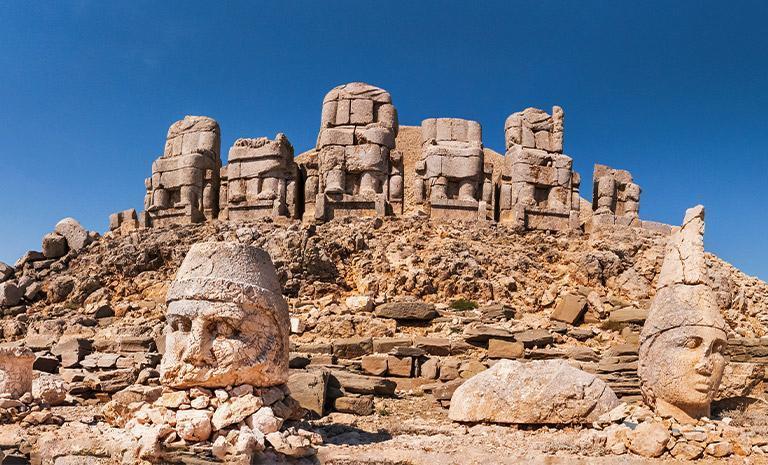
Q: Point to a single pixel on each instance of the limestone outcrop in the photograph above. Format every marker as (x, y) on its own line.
(452, 180)
(684, 337)
(538, 392)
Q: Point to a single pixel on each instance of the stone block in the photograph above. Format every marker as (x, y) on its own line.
(501, 348)
(353, 347)
(421, 311)
(570, 309)
(400, 366)
(357, 405)
(386, 344)
(54, 245)
(433, 345)
(375, 365)
(309, 388)
(10, 294)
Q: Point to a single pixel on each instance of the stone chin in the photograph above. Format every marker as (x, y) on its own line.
(181, 375)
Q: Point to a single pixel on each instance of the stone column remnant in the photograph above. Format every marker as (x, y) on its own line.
(539, 189)
(15, 371)
(355, 170)
(615, 197)
(227, 322)
(681, 358)
(184, 186)
(452, 181)
(261, 179)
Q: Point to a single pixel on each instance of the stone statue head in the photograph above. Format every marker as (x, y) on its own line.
(683, 339)
(227, 322)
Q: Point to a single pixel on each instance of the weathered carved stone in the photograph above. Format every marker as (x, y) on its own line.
(615, 198)
(452, 181)
(355, 169)
(539, 392)
(539, 189)
(684, 336)
(227, 322)
(15, 371)
(184, 186)
(261, 179)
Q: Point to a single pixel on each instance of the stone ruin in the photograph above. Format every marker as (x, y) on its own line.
(184, 187)
(539, 189)
(355, 169)
(681, 357)
(260, 179)
(15, 371)
(451, 180)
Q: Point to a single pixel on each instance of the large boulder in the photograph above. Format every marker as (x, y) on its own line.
(10, 294)
(76, 235)
(538, 392)
(5, 272)
(54, 245)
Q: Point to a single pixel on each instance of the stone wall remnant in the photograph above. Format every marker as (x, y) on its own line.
(260, 179)
(16, 371)
(615, 197)
(681, 359)
(452, 181)
(184, 187)
(539, 189)
(355, 170)
(227, 322)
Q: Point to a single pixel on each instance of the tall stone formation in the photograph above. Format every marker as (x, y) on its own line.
(259, 180)
(615, 197)
(452, 181)
(681, 358)
(184, 187)
(355, 170)
(539, 189)
(227, 322)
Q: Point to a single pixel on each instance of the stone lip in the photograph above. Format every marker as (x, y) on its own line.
(538, 392)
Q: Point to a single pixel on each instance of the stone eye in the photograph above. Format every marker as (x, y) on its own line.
(693, 342)
(718, 347)
(181, 323)
(223, 329)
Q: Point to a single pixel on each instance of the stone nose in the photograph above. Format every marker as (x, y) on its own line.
(705, 365)
(198, 348)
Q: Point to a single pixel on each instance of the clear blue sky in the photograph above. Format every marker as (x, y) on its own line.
(675, 92)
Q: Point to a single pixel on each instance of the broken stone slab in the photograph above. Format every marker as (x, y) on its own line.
(360, 384)
(433, 345)
(539, 392)
(15, 371)
(352, 347)
(570, 309)
(72, 350)
(10, 294)
(357, 405)
(481, 333)
(309, 388)
(626, 316)
(534, 337)
(407, 311)
(385, 345)
(235, 410)
(502, 348)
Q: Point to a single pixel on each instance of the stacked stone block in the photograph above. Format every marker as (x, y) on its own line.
(539, 189)
(452, 181)
(260, 180)
(184, 186)
(615, 197)
(355, 170)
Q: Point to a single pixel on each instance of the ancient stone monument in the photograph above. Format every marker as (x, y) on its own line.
(260, 179)
(538, 392)
(539, 189)
(681, 358)
(615, 197)
(184, 187)
(354, 170)
(452, 181)
(227, 322)
(15, 371)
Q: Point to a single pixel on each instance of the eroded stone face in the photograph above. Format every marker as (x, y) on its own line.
(16, 371)
(227, 322)
(681, 358)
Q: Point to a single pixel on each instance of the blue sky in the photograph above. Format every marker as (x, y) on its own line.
(675, 92)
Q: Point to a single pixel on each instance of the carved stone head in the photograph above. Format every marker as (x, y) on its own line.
(682, 342)
(227, 322)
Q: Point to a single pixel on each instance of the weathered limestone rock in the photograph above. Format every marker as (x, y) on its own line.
(570, 309)
(407, 311)
(355, 169)
(77, 236)
(50, 389)
(539, 392)
(615, 198)
(684, 336)
(452, 179)
(539, 189)
(16, 371)
(193, 425)
(649, 439)
(309, 389)
(54, 245)
(227, 322)
(5, 271)
(128, 220)
(10, 294)
(184, 187)
(261, 180)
